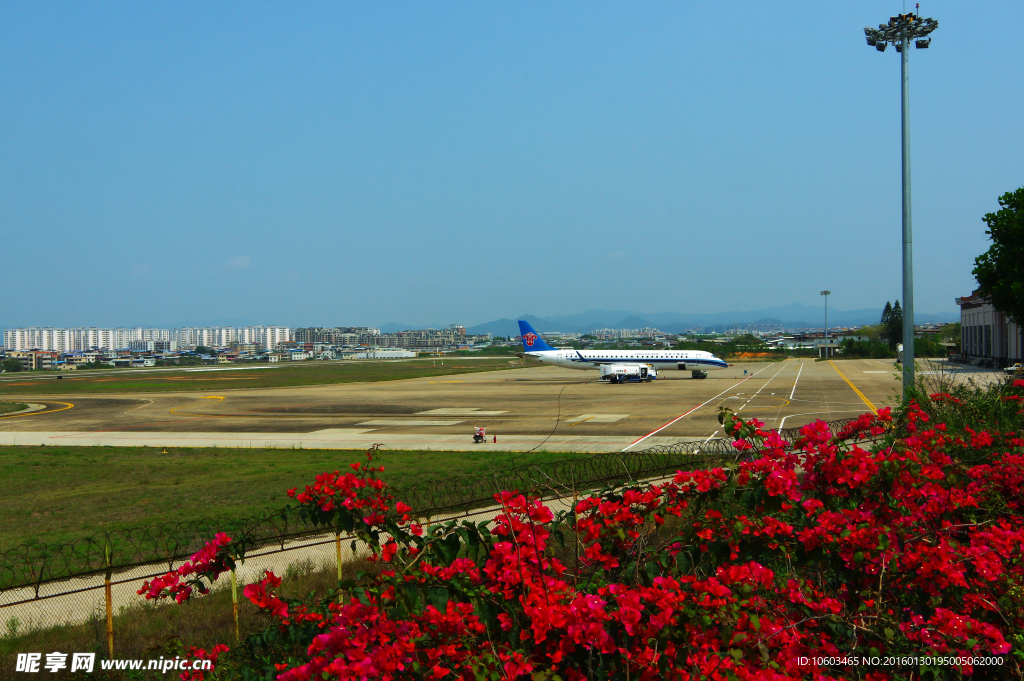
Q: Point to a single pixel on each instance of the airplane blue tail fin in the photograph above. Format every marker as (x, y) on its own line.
(532, 342)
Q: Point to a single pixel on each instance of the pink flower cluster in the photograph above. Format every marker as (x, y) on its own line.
(207, 563)
(893, 525)
(825, 548)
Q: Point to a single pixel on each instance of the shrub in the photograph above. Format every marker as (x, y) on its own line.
(803, 559)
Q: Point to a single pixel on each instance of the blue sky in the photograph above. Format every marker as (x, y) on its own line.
(333, 163)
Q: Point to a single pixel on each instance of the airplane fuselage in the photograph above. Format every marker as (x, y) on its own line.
(684, 360)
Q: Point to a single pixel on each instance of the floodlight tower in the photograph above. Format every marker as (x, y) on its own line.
(900, 30)
(826, 294)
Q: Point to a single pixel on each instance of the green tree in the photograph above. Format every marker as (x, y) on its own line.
(1000, 270)
(886, 313)
(11, 365)
(950, 332)
(892, 325)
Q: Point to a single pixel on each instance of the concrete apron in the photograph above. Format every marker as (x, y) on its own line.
(338, 438)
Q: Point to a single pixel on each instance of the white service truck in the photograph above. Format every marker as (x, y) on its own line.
(628, 373)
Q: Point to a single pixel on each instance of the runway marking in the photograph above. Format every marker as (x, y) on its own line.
(708, 440)
(808, 413)
(876, 372)
(796, 381)
(460, 411)
(859, 393)
(148, 402)
(579, 422)
(202, 397)
(763, 387)
(68, 405)
(408, 422)
(598, 418)
(694, 409)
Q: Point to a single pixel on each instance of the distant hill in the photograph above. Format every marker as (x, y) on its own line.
(793, 316)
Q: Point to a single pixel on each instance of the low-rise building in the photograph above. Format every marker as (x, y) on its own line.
(32, 360)
(987, 336)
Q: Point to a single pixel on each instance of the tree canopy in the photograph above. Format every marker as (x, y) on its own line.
(1000, 270)
(892, 324)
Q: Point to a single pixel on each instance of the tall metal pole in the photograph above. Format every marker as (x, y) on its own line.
(826, 294)
(908, 242)
(900, 31)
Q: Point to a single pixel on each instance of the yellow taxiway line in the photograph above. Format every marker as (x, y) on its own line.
(67, 405)
(202, 397)
(859, 393)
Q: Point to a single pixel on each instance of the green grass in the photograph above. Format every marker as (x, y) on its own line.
(58, 494)
(288, 374)
(144, 630)
(8, 407)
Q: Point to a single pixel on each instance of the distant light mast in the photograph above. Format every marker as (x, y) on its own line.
(826, 294)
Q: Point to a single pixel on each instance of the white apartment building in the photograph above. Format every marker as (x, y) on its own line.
(85, 338)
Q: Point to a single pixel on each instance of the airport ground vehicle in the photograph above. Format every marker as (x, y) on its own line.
(628, 373)
(1017, 368)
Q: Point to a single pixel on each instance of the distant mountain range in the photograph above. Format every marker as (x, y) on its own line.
(793, 316)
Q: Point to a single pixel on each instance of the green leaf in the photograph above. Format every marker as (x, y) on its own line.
(470, 538)
(439, 597)
(755, 622)
(412, 595)
(488, 612)
(449, 548)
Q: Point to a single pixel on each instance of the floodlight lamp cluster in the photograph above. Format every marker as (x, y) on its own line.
(902, 27)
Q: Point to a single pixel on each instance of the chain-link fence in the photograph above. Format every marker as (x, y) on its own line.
(45, 585)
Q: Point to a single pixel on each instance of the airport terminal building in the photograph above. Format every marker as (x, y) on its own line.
(986, 334)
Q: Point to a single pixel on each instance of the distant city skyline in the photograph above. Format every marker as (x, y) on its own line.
(420, 164)
(120, 335)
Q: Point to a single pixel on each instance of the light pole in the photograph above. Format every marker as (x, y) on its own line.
(900, 30)
(826, 294)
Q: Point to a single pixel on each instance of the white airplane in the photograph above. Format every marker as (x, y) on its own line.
(698, 362)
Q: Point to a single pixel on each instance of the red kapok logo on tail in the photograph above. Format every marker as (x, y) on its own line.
(529, 338)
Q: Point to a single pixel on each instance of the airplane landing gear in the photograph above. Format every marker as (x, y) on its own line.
(699, 374)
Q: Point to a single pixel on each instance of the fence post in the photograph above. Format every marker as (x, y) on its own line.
(337, 550)
(234, 602)
(110, 604)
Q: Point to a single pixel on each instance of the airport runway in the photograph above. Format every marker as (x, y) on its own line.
(554, 408)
